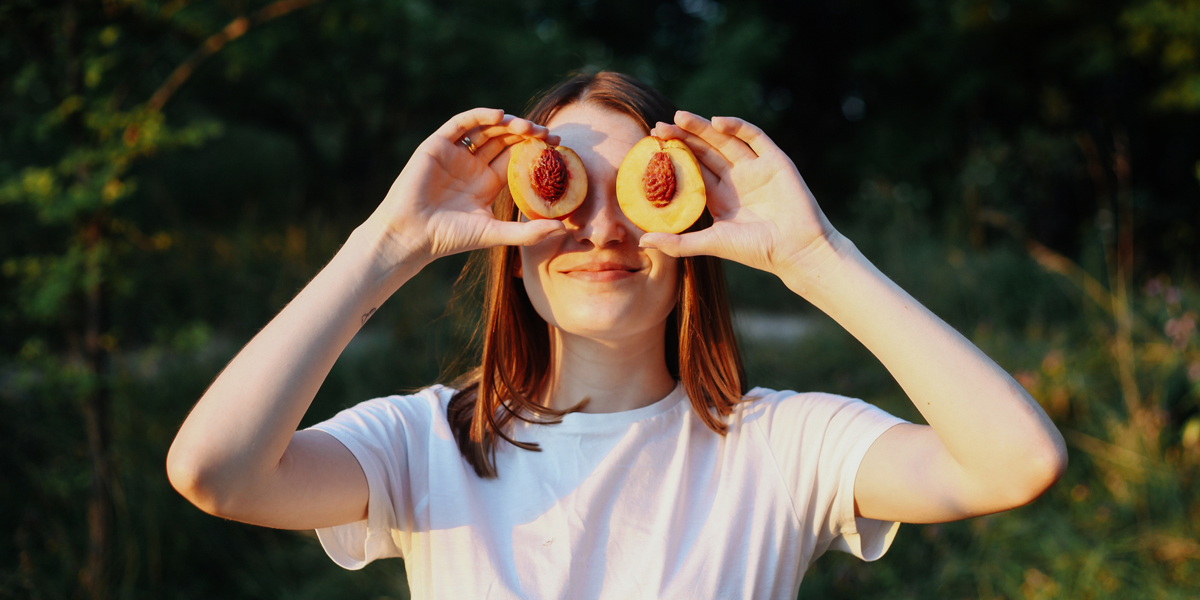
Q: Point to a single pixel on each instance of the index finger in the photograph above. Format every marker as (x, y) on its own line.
(729, 145)
(747, 133)
(710, 157)
(460, 124)
(507, 132)
(511, 125)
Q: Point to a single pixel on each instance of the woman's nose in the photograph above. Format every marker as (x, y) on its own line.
(600, 221)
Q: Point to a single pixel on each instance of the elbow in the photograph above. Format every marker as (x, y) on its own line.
(1059, 464)
(195, 482)
(1051, 466)
(186, 476)
(1044, 464)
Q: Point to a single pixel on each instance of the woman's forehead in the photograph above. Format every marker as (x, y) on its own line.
(589, 129)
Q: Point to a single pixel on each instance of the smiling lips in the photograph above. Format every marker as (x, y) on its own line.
(601, 271)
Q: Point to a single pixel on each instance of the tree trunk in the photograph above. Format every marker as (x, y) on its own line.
(97, 571)
(94, 578)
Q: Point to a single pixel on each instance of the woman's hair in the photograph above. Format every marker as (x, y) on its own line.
(513, 371)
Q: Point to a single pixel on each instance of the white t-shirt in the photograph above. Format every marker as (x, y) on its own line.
(646, 503)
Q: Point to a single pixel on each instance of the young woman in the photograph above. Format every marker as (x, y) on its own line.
(607, 444)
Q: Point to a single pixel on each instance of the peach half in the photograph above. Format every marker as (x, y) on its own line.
(659, 185)
(547, 182)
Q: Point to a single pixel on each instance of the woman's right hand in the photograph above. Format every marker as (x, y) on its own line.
(441, 202)
(238, 454)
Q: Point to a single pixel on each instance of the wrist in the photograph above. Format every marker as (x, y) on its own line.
(387, 260)
(814, 266)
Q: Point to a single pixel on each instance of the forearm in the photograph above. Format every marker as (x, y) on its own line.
(242, 425)
(986, 421)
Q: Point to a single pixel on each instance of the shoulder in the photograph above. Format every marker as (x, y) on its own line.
(793, 412)
(808, 404)
(389, 414)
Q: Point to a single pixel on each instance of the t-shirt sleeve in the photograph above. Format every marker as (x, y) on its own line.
(818, 441)
(388, 437)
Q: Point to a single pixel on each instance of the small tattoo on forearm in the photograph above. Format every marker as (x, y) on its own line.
(367, 315)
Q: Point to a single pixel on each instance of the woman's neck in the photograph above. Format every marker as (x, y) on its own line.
(613, 375)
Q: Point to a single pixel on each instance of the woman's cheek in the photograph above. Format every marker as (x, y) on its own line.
(668, 275)
(529, 270)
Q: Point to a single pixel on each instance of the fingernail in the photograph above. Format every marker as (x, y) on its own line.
(647, 245)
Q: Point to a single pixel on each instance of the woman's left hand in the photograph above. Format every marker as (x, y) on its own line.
(764, 214)
(988, 446)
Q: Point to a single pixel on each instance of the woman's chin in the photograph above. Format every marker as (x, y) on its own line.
(606, 326)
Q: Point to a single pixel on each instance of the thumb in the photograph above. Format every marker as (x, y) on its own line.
(516, 233)
(688, 244)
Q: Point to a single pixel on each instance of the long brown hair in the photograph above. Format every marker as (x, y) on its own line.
(515, 363)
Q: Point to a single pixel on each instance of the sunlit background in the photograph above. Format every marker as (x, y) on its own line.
(171, 173)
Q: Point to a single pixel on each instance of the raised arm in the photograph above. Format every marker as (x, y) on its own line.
(988, 446)
(238, 454)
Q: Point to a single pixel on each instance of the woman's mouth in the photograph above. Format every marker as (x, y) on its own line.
(601, 271)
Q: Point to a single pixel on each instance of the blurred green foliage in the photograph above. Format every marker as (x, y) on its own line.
(172, 172)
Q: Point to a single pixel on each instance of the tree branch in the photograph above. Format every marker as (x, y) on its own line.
(234, 30)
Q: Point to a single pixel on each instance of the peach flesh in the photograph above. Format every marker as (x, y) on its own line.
(659, 186)
(546, 182)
